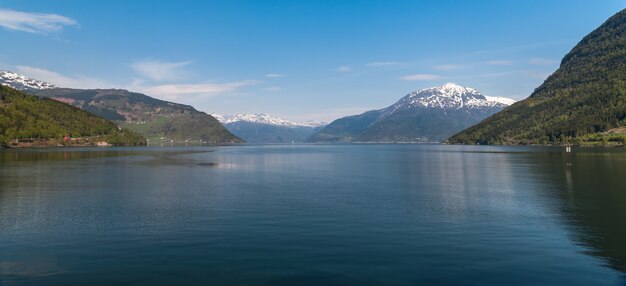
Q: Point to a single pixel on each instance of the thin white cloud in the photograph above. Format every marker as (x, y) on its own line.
(174, 91)
(518, 73)
(163, 91)
(420, 76)
(159, 70)
(448, 67)
(275, 75)
(499, 62)
(272, 88)
(381, 64)
(37, 23)
(499, 74)
(537, 74)
(541, 61)
(344, 68)
(61, 80)
(332, 114)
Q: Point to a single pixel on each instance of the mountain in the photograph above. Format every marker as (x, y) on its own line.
(582, 101)
(21, 82)
(263, 128)
(427, 115)
(157, 120)
(27, 120)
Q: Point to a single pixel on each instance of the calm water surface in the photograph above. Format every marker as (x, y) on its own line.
(313, 215)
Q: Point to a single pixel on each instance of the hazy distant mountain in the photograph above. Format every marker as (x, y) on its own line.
(157, 120)
(263, 128)
(427, 115)
(580, 101)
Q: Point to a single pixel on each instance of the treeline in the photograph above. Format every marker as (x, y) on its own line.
(586, 95)
(26, 117)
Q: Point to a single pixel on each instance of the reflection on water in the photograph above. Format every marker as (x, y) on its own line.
(592, 187)
(56, 154)
(319, 214)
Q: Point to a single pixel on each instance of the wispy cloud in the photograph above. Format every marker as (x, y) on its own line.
(275, 75)
(159, 70)
(381, 64)
(332, 114)
(518, 73)
(163, 91)
(37, 23)
(272, 88)
(344, 68)
(62, 80)
(537, 74)
(499, 74)
(499, 62)
(448, 67)
(420, 76)
(541, 61)
(175, 91)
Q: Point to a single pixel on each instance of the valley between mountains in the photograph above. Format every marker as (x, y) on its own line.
(583, 103)
(426, 115)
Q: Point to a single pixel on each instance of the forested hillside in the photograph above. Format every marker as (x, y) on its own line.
(158, 120)
(27, 119)
(583, 100)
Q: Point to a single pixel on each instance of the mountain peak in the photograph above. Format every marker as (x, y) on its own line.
(450, 96)
(22, 82)
(425, 115)
(453, 86)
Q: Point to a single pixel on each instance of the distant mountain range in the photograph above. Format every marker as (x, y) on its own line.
(157, 120)
(263, 128)
(584, 101)
(427, 115)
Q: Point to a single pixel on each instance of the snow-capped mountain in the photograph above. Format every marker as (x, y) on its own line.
(265, 119)
(449, 96)
(22, 82)
(425, 115)
(264, 128)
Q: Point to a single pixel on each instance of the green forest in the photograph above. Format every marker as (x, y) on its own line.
(25, 118)
(577, 104)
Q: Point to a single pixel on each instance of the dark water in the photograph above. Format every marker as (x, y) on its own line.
(313, 215)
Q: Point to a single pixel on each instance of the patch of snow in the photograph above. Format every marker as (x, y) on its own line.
(265, 119)
(449, 96)
(22, 82)
(503, 100)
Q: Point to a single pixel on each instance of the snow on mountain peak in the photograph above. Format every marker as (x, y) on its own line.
(265, 119)
(450, 96)
(454, 88)
(22, 82)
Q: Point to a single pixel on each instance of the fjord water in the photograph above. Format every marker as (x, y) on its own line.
(313, 215)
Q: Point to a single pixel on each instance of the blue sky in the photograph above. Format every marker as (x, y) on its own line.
(301, 60)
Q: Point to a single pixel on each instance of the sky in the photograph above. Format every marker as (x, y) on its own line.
(299, 59)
